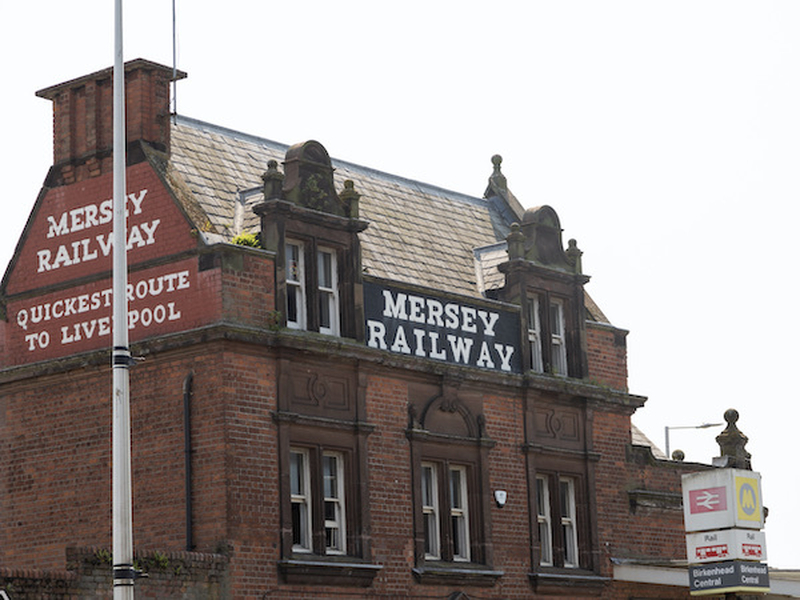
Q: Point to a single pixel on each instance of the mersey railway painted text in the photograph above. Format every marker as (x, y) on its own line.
(92, 247)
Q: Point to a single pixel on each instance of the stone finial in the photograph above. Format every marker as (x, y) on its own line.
(516, 242)
(497, 177)
(349, 198)
(497, 189)
(273, 181)
(413, 417)
(731, 444)
(497, 186)
(574, 256)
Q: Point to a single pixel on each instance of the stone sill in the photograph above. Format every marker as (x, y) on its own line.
(455, 573)
(562, 583)
(328, 572)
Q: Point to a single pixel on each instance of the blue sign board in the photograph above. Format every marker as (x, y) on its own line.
(730, 576)
(458, 331)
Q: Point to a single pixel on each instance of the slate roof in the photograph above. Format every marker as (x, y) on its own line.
(638, 438)
(418, 233)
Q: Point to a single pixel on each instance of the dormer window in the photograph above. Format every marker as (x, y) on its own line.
(558, 342)
(313, 231)
(301, 297)
(535, 335)
(295, 286)
(552, 357)
(328, 289)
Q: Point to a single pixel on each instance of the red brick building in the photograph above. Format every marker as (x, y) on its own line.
(388, 390)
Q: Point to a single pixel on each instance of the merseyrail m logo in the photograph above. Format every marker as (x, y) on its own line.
(748, 504)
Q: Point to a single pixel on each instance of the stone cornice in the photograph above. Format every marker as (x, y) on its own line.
(342, 349)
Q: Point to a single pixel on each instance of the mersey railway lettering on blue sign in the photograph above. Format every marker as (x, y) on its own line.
(446, 330)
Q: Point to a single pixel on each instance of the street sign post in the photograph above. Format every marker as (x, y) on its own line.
(723, 514)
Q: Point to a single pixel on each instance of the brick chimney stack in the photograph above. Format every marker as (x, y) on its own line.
(83, 117)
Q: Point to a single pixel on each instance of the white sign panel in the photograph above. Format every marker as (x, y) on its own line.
(721, 499)
(726, 544)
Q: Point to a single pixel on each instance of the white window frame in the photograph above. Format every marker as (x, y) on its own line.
(566, 517)
(544, 521)
(335, 522)
(296, 285)
(558, 341)
(459, 514)
(535, 334)
(430, 510)
(328, 291)
(569, 529)
(301, 497)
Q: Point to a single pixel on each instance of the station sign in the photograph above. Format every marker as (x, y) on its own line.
(722, 499)
(728, 577)
(451, 329)
(726, 544)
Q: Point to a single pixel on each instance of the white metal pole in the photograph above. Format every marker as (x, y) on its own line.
(123, 571)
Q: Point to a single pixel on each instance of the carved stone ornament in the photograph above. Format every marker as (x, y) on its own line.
(731, 444)
(309, 179)
(541, 229)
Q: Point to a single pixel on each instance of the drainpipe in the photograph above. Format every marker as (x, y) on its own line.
(188, 385)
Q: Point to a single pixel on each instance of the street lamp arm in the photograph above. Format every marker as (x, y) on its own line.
(668, 427)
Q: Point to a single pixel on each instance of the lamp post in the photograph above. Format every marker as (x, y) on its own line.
(666, 432)
(121, 511)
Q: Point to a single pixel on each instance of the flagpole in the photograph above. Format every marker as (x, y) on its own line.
(123, 571)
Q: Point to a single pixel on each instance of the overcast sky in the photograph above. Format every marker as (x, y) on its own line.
(665, 134)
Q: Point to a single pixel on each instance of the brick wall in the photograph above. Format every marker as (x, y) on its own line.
(56, 439)
(251, 469)
(390, 483)
(187, 575)
(56, 466)
(639, 510)
(248, 291)
(511, 523)
(607, 355)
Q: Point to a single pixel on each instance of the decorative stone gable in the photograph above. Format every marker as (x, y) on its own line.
(309, 181)
(538, 240)
(301, 207)
(547, 282)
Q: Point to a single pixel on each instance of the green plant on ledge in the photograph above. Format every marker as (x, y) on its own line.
(159, 560)
(274, 320)
(103, 556)
(247, 239)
